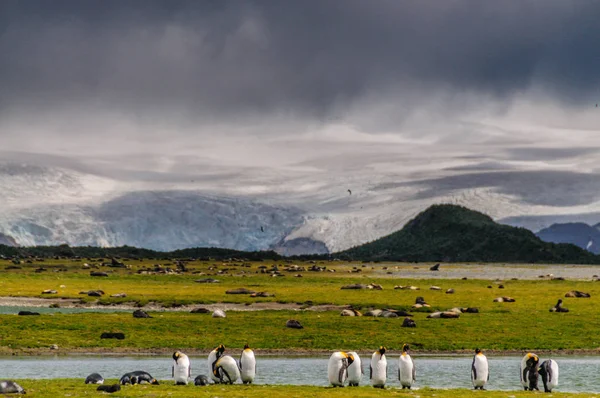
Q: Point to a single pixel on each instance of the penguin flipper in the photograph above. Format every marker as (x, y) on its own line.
(414, 372)
(341, 374)
(370, 372)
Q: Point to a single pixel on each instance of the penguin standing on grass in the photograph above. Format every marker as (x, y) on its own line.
(355, 371)
(226, 370)
(213, 357)
(549, 372)
(378, 373)
(406, 368)
(337, 368)
(247, 365)
(181, 368)
(479, 370)
(529, 372)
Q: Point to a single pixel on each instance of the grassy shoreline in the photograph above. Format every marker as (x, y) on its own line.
(74, 387)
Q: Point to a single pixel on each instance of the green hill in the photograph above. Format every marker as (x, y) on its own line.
(452, 233)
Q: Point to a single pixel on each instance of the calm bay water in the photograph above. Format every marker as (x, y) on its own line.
(577, 374)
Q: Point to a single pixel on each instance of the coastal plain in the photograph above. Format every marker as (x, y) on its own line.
(315, 299)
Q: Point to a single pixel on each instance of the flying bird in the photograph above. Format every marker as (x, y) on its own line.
(262, 229)
(350, 192)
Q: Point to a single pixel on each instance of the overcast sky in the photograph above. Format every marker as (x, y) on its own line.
(247, 95)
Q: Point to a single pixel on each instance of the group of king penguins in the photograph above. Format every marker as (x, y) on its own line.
(347, 367)
(531, 370)
(342, 367)
(223, 368)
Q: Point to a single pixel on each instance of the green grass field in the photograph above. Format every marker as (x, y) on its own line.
(76, 388)
(523, 325)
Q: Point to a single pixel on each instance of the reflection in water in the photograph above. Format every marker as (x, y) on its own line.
(438, 372)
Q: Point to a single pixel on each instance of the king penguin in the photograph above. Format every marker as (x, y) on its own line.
(213, 357)
(378, 368)
(181, 368)
(247, 365)
(406, 368)
(337, 368)
(529, 372)
(355, 371)
(479, 370)
(549, 372)
(226, 370)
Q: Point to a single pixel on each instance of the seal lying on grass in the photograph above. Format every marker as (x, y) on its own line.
(111, 388)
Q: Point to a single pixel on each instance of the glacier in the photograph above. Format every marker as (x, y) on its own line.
(51, 206)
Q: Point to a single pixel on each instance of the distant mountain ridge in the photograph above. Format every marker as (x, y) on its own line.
(453, 233)
(447, 233)
(580, 234)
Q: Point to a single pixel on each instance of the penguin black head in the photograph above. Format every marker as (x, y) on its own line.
(477, 351)
(405, 348)
(350, 359)
(154, 381)
(176, 356)
(533, 360)
(246, 346)
(382, 350)
(134, 380)
(220, 350)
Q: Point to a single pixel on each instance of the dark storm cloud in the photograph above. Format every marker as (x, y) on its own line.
(551, 188)
(205, 59)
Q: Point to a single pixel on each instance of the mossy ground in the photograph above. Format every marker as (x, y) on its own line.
(523, 325)
(76, 388)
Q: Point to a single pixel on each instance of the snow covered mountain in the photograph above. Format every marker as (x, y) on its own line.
(50, 206)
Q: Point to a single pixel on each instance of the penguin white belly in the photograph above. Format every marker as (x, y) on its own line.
(355, 370)
(248, 366)
(553, 379)
(479, 373)
(523, 375)
(337, 371)
(405, 370)
(227, 370)
(181, 369)
(378, 370)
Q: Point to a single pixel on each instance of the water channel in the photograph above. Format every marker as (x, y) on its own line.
(577, 373)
